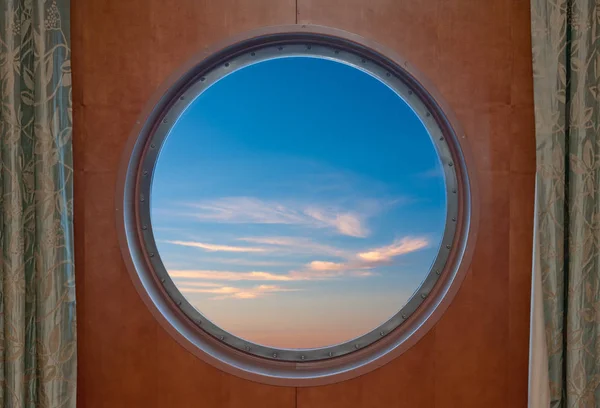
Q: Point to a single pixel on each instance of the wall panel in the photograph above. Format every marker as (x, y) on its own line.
(122, 51)
(477, 53)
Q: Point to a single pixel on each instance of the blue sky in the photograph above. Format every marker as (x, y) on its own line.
(298, 203)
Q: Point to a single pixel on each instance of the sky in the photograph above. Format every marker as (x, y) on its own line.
(298, 203)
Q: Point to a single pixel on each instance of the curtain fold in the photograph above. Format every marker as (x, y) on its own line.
(37, 281)
(566, 64)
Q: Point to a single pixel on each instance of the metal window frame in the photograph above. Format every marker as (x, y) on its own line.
(200, 335)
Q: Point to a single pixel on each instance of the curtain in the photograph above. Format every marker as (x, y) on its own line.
(37, 287)
(566, 64)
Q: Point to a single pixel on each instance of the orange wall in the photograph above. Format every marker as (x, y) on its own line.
(477, 53)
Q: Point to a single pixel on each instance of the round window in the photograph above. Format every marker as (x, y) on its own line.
(296, 206)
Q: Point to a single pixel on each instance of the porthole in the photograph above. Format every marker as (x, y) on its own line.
(296, 206)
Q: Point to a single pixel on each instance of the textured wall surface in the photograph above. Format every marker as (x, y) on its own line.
(476, 53)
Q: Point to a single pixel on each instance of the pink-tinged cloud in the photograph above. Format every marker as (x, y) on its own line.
(247, 262)
(250, 210)
(370, 259)
(347, 223)
(301, 275)
(401, 247)
(326, 266)
(228, 275)
(216, 248)
(230, 292)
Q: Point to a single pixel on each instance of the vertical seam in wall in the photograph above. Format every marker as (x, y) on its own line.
(296, 12)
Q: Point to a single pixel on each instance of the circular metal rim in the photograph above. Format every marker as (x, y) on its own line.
(241, 61)
(297, 366)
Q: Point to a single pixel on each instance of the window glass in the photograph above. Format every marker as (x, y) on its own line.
(298, 203)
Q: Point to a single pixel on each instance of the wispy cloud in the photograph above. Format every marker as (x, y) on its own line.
(295, 275)
(216, 248)
(373, 258)
(346, 223)
(246, 262)
(285, 245)
(315, 275)
(228, 275)
(250, 210)
(400, 247)
(431, 173)
(230, 292)
(297, 245)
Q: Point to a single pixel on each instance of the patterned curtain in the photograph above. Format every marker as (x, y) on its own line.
(37, 285)
(566, 61)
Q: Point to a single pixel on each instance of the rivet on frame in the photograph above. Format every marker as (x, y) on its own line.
(181, 98)
(280, 48)
(448, 246)
(381, 333)
(451, 164)
(454, 219)
(423, 295)
(202, 79)
(302, 357)
(363, 60)
(253, 54)
(145, 172)
(162, 280)
(144, 227)
(222, 337)
(142, 199)
(337, 51)
(179, 303)
(308, 47)
(387, 74)
(199, 322)
(441, 139)
(274, 355)
(403, 316)
(151, 254)
(164, 120)
(410, 92)
(226, 64)
(247, 348)
(152, 146)
(438, 272)
(356, 346)
(454, 190)
(428, 114)
(330, 354)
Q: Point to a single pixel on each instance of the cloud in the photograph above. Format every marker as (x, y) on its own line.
(216, 248)
(246, 262)
(250, 210)
(315, 275)
(269, 245)
(432, 173)
(400, 247)
(299, 275)
(230, 292)
(297, 245)
(228, 275)
(326, 266)
(371, 259)
(201, 284)
(346, 223)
